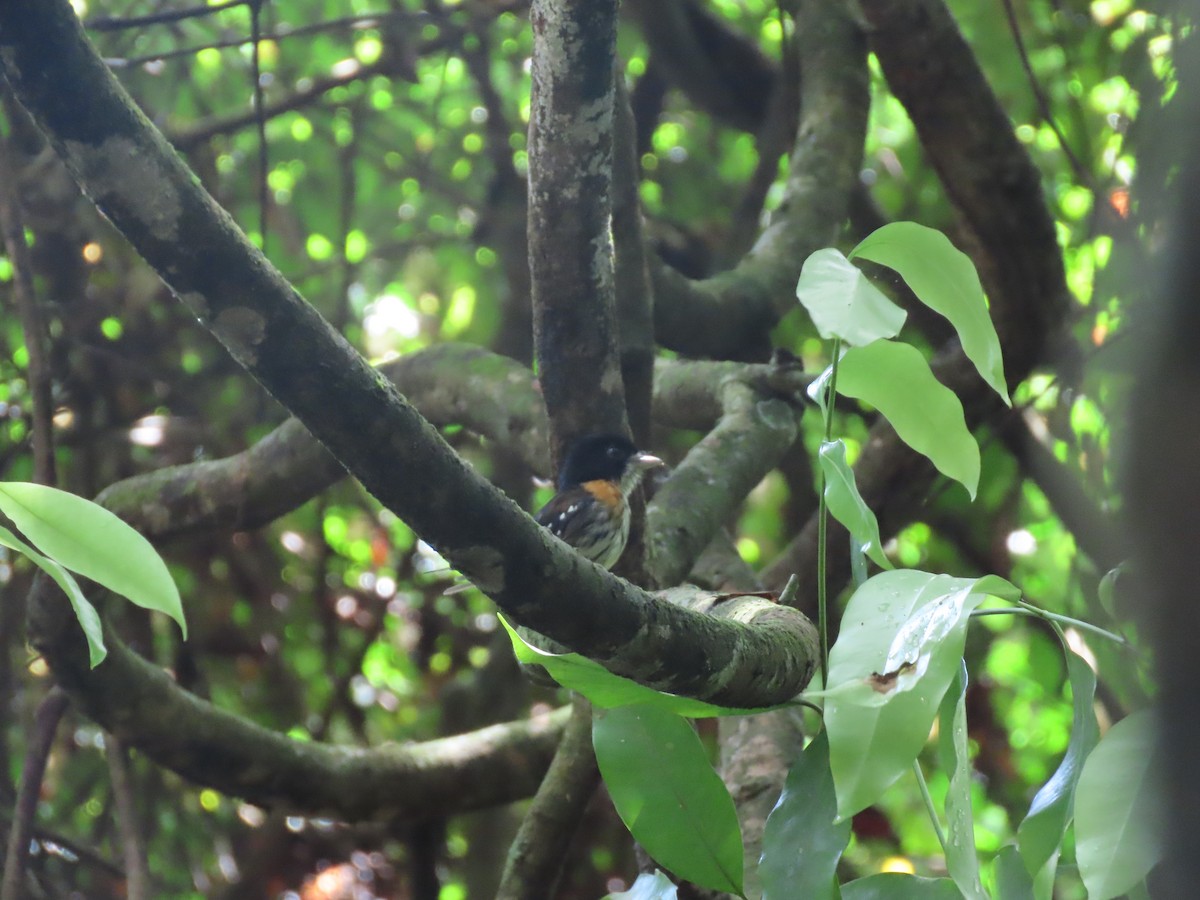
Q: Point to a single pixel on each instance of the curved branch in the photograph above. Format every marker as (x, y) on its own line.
(451, 384)
(754, 432)
(143, 706)
(132, 174)
(536, 856)
(731, 313)
(986, 172)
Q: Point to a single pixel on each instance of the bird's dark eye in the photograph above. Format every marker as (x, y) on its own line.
(614, 452)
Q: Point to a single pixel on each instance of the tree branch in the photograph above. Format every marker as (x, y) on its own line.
(536, 856)
(135, 178)
(731, 313)
(570, 218)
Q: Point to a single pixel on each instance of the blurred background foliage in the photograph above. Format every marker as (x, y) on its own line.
(395, 134)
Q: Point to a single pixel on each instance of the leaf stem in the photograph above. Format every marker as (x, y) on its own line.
(1028, 609)
(822, 522)
(929, 807)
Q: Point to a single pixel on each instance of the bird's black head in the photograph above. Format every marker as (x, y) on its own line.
(601, 456)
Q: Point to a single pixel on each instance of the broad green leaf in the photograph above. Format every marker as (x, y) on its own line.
(1012, 881)
(801, 842)
(944, 279)
(667, 794)
(89, 619)
(962, 861)
(1040, 834)
(843, 303)
(606, 690)
(1118, 808)
(91, 541)
(896, 380)
(846, 503)
(649, 887)
(897, 886)
(900, 646)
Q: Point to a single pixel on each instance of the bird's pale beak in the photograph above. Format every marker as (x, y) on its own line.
(645, 461)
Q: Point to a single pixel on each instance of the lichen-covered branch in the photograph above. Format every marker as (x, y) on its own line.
(127, 168)
(755, 430)
(143, 706)
(570, 217)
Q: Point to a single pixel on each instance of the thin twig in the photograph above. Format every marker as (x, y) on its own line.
(175, 15)
(49, 714)
(40, 382)
(133, 847)
(1040, 96)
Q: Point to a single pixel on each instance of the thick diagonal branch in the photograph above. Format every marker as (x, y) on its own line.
(130, 172)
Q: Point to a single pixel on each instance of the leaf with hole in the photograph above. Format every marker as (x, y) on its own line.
(899, 649)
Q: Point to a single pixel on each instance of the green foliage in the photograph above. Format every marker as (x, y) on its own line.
(1118, 804)
(606, 690)
(804, 839)
(899, 649)
(77, 535)
(667, 794)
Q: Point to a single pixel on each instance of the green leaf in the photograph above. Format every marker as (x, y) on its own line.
(667, 794)
(896, 380)
(1118, 807)
(962, 861)
(649, 887)
(1012, 880)
(91, 541)
(843, 303)
(1040, 834)
(606, 690)
(899, 649)
(801, 842)
(897, 886)
(846, 503)
(89, 619)
(944, 279)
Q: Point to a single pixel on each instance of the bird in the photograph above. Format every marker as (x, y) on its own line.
(590, 510)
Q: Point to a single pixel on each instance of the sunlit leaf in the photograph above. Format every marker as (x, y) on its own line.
(802, 843)
(900, 647)
(91, 541)
(667, 794)
(1118, 808)
(895, 379)
(1040, 833)
(846, 503)
(89, 619)
(843, 303)
(944, 279)
(962, 861)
